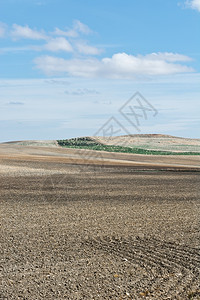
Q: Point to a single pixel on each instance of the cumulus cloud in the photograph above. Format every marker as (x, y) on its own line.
(53, 65)
(26, 32)
(84, 48)
(2, 29)
(194, 4)
(120, 65)
(58, 44)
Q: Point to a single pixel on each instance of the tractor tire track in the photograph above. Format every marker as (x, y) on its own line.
(177, 268)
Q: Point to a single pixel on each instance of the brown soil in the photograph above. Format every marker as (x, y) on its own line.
(118, 227)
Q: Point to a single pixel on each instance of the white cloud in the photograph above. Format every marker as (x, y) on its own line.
(26, 32)
(75, 67)
(53, 44)
(81, 92)
(58, 44)
(68, 33)
(168, 56)
(16, 49)
(15, 103)
(84, 48)
(78, 27)
(194, 4)
(120, 65)
(2, 29)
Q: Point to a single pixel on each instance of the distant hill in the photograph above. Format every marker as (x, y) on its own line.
(153, 142)
(37, 143)
(148, 142)
(141, 144)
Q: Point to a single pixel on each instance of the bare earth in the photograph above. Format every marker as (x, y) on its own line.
(80, 224)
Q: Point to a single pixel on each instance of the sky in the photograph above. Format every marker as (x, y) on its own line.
(95, 67)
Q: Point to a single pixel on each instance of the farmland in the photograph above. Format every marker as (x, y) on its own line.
(93, 144)
(109, 226)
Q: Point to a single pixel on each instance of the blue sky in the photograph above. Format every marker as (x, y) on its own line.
(66, 67)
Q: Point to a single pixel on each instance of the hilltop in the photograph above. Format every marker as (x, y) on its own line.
(139, 143)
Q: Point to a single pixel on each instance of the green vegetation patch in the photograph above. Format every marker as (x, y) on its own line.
(90, 144)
